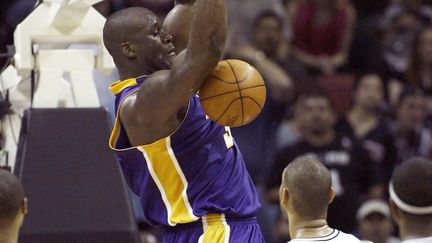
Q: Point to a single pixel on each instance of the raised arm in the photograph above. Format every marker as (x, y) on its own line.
(178, 23)
(166, 92)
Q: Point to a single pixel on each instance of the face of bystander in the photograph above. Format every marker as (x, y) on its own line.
(369, 93)
(376, 227)
(316, 115)
(268, 34)
(412, 112)
(425, 47)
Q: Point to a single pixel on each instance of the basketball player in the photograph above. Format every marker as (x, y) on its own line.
(13, 207)
(186, 169)
(305, 194)
(411, 200)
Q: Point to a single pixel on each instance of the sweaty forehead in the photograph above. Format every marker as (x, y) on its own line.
(147, 21)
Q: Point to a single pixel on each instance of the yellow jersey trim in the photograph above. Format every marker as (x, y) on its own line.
(170, 180)
(120, 85)
(215, 228)
(116, 129)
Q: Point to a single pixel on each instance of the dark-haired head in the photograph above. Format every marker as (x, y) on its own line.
(314, 112)
(411, 109)
(409, 92)
(368, 91)
(267, 32)
(12, 200)
(135, 39)
(313, 92)
(412, 185)
(264, 14)
(306, 189)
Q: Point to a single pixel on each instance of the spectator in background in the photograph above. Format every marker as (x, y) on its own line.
(322, 33)
(419, 67)
(13, 207)
(411, 200)
(365, 124)
(398, 7)
(241, 14)
(419, 72)
(268, 52)
(401, 23)
(397, 44)
(375, 223)
(348, 163)
(412, 137)
(305, 194)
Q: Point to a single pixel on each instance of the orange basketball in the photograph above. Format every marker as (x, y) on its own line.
(234, 94)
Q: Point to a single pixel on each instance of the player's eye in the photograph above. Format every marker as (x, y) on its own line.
(156, 32)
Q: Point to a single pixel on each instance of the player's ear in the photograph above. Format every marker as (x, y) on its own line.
(283, 195)
(24, 206)
(331, 195)
(128, 49)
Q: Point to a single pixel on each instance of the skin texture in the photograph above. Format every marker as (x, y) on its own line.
(305, 194)
(140, 46)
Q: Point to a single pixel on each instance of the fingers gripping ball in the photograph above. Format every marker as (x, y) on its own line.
(234, 94)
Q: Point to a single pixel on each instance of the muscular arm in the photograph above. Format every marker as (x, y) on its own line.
(178, 23)
(165, 93)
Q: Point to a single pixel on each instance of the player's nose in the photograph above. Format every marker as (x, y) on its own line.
(167, 38)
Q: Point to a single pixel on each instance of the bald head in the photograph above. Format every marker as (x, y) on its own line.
(123, 25)
(139, 46)
(11, 196)
(309, 185)
(412, 183)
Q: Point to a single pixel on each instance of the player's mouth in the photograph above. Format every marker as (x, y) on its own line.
(171, 53)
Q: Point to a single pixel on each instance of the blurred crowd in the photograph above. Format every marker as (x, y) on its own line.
(348, 81)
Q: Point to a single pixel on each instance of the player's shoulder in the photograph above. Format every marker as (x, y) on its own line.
(157, 77)
(336, 236)
(348, 238)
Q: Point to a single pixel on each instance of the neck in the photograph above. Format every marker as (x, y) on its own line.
(299, 228)
(131, 70)
(270, 54)
(360, 114)
(9, 235)
(320, 139)
(414, 231)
